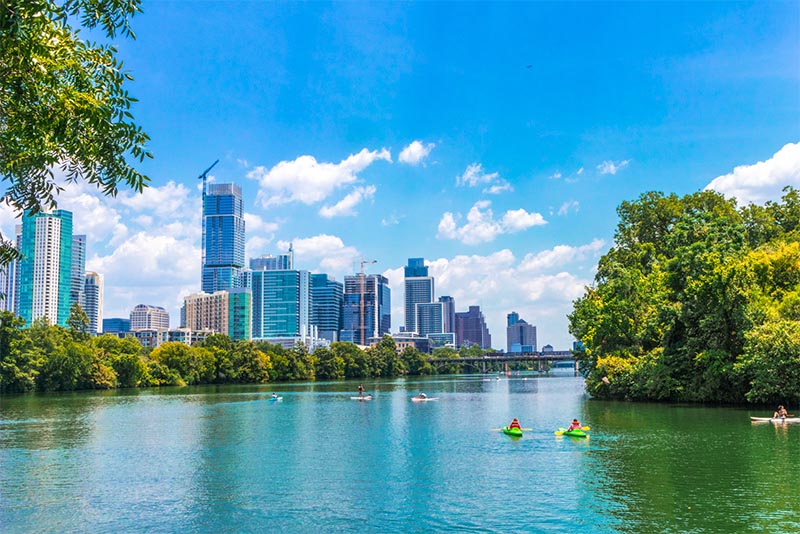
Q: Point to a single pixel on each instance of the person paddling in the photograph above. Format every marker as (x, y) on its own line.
(515, 424)
(574, 425)
(781, 413)
(360, 390)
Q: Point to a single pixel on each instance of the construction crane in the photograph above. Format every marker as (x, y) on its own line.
(204, 175)
(361, 299)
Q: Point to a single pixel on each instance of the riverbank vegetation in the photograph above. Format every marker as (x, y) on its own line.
(44, 357)
(696, 301)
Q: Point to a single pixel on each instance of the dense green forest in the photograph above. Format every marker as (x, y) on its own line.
(696, 301)
(44, 357)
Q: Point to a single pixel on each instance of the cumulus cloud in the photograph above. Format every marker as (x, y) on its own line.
(540, 287)
(501, 187)
(481, 225)
(764, 180)
(308, 181)
(560, 255)
(415, 153)
(323, 252)
(611, 167)
(347, 205)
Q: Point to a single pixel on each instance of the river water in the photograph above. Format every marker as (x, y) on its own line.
(226, 459)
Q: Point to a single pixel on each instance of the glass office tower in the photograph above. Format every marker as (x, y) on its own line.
(223, 237)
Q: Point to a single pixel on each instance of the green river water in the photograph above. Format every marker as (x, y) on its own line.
(226, 459)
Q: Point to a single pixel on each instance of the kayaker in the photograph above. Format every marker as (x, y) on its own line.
(515, 424)
(274, 395)
(360, 390)
(575, 424)
(781, 413)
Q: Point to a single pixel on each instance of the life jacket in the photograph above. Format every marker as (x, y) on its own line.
(514, 424)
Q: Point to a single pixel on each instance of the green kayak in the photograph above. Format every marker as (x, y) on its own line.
(516, 432)
(575, 433)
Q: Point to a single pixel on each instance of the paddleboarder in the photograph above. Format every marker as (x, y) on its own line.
(360, 390)
(781, 413)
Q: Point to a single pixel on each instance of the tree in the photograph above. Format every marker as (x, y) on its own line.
(63, 104)
(78, 323)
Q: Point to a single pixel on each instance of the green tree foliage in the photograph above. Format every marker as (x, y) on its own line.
(675, 299)
(78, 323)
(770, 364)
(63, 102)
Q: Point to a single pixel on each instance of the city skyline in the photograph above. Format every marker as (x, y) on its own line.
(356, 130)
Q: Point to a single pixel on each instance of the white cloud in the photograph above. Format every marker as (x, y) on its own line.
(518, 220)
(764, 180)
(560, 255)
(501, 187)
(555, 176)
(415, 153)
(254, 223)
(256, 246)
(541, 291)
(579, 171)
(332, 255)
(567, 206)
(346, 206)
(308, 181)
(610, 167)
(481, 226)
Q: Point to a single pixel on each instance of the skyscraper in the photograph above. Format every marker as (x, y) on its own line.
(223, 237)
(93, 301)
(367, 308)
(78, 271)
(448, 313)
(268, 262)
(281, 304)
(471, 329)
(430, 318)
(327, 297)
(45, 269)
(520, 336)
(7, 286)
(418, 289)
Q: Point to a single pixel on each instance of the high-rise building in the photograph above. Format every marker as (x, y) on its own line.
(223, 237)
(222, 312)
(268, 262)
(520, 336)
(367, 308)
(430, 318)
(448, 313)
(471, 329)
(116, 325)
(146, 317)
(281, 304)
(93, 301)
(45, 269)
(327, 297)
(78, 271)
(418, 290)
(7, 286)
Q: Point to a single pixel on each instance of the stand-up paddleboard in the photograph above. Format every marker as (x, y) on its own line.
(275, 399)
(424, 399)
(364, 398)
(775, 419)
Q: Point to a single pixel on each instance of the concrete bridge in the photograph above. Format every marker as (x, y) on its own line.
(480, 363)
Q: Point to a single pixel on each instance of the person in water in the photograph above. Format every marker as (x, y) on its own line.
(781, 413)
(575, 424)
(423, 396)
(360, 390)
(515, 424)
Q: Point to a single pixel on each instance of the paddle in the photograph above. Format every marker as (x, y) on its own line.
(500, 429)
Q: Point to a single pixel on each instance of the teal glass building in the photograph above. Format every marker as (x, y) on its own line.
(281, 304)
(367, 308)
(45, 269)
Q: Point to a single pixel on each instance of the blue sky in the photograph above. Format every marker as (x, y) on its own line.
(494, 140)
